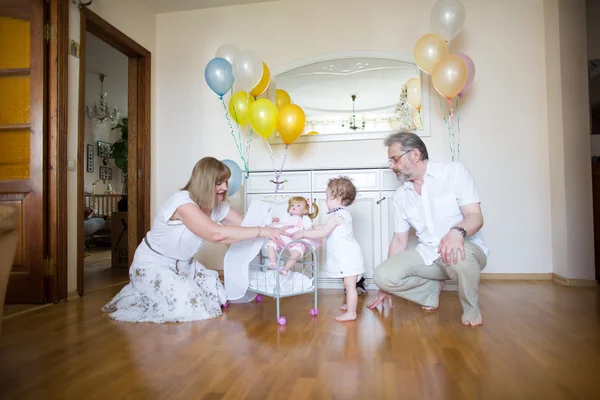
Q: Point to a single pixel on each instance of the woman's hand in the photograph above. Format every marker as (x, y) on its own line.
(275, 220)
(298, 235)
(275, 234)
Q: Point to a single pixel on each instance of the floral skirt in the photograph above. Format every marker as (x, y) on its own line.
(161, 290)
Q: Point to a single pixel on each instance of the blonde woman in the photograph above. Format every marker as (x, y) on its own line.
(166, 283)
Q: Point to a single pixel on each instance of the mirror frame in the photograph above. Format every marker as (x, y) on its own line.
(349, 136)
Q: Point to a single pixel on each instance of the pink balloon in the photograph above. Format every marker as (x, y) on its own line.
(470, 72)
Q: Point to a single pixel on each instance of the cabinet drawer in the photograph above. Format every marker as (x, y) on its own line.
(263, 182)
(389, 181)
(367, 179)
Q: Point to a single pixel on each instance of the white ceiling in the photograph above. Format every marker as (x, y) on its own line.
(167, 6)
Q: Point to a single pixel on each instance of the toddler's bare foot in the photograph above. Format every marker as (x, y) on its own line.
(344, 307)
(438, 304)
(347, 316)
(472, 321)
(283, 271)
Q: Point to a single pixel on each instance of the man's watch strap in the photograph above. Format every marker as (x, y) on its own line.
(461, 230)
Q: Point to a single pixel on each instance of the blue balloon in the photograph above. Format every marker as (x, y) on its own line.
(219, 75)
(235, 180)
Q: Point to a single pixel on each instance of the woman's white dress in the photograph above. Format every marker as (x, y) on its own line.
(166, 283)
(344, 255)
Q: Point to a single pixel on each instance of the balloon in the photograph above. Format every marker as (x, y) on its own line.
(238, 107)
(219, 76)
(228, 52)
(413, 91)
(235, 180)
(290, 123)
(282, 98)
(247, 70)
(263, 117)
(262, 85)
(449, 76)
(447, 18)
(313, 133)
(429, 50)
(470, 72)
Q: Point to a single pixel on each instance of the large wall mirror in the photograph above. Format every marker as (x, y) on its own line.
(353, 96)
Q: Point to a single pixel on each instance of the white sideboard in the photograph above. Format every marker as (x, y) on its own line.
(372, 211)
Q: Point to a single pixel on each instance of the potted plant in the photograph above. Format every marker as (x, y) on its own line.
(120, 150)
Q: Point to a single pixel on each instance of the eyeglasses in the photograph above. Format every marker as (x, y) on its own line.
(395, 159)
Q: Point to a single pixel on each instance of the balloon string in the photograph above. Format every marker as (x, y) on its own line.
(277, 172)
(452, 124)
(447, 126)
(458, 129)
(238, 145)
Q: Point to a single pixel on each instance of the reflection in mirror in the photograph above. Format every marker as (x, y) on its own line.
(354, 98)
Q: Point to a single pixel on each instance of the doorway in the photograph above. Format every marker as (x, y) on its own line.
(113, 178)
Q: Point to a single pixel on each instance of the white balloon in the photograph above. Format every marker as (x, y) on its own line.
(228, 52)
(247, 70)
(447, 18)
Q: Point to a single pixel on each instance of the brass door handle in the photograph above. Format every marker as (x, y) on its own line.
(380, 200)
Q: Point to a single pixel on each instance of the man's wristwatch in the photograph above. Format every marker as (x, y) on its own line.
(461, 230)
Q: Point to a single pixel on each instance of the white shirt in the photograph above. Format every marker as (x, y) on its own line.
(446, 187)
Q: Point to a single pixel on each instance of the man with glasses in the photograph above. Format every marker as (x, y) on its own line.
(438, 200)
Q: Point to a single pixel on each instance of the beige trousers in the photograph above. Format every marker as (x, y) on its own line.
(406, 275)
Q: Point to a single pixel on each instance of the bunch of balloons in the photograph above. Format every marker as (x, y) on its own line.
(451, 74)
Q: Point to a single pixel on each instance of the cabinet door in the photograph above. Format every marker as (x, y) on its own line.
(386, 204)
(366, 225)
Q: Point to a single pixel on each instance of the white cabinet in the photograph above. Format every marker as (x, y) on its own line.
(372, 210)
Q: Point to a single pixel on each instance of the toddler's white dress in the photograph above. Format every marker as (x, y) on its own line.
(344, 255)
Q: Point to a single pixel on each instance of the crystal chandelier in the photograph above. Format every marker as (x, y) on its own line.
(352, 120)
(99, 114)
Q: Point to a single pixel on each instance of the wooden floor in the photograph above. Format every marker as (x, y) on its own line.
(539, 341)
(97, 271)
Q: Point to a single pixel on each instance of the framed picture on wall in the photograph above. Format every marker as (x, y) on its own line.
(106, 173)
(90, 158)
(105, 149)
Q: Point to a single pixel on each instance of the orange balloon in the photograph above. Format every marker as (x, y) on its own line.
(429, 50)
(290, 123)
(282, 98)
(263, 84)
(450, 76)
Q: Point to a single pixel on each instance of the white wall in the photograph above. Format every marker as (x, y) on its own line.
(104, 59)
(503, 117)
(136, 20)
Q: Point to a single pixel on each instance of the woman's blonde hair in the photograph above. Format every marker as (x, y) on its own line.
(299, 199)
(206, 175)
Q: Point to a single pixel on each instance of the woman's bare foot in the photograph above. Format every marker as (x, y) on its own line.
(438, 304)
(347, 316)
(477, 321)
(344, 307)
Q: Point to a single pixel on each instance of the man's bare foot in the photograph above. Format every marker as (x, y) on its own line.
(347, 316)
(477, 321)
(344, 307)
(438, 304)
(381, 296)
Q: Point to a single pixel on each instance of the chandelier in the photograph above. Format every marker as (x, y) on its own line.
(99, 114)
(352, 120)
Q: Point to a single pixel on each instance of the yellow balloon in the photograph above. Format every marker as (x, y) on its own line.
(239, 105)
(313, 133)
(262, 85)
(417, 119)
(413, 91)
(263, 117)
(282, 98)
(450, 76)
(290, 122)
(429, 50)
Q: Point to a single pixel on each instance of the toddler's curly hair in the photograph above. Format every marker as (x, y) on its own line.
(342, 187)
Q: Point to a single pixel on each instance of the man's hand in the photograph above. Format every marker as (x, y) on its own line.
(450, 246)
(381, 296)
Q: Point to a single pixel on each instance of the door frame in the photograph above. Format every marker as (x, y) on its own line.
(138, 111)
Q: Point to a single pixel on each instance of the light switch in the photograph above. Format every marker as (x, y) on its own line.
(71, 164)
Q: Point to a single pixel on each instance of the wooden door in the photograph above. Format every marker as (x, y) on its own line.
(22, 123)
